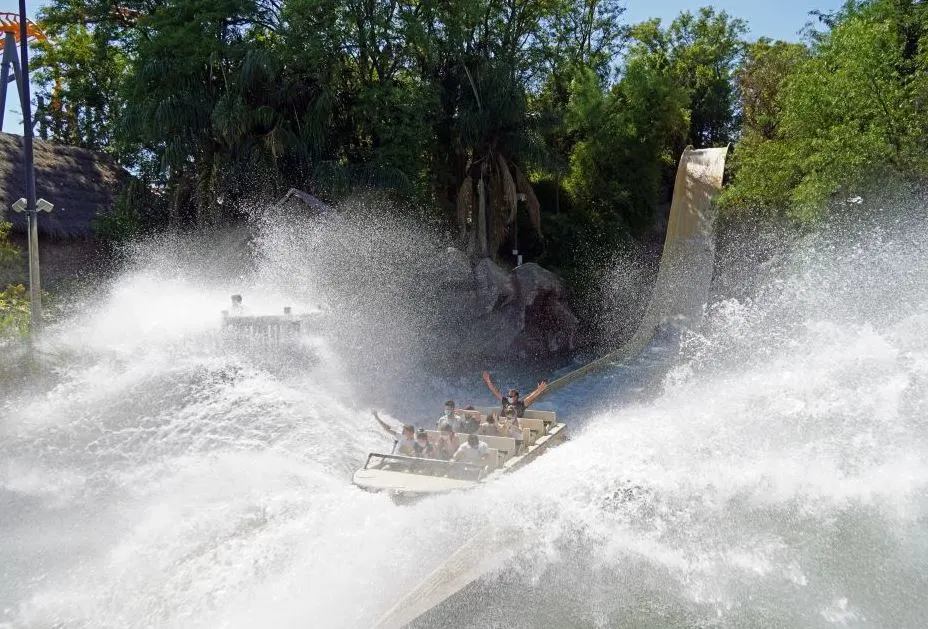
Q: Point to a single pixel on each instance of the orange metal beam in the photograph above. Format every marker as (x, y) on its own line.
(9, 23)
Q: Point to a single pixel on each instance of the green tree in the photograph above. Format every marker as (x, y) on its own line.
(81, 68)
(761, 80)
(701, 53)
(206, 108)
(579, 37)
(14, 311)
(629, 134)
(14, 302)
(852, 111)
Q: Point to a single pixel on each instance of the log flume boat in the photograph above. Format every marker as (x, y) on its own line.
(407, 478)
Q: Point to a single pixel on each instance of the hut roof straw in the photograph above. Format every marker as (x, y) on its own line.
(79, 182)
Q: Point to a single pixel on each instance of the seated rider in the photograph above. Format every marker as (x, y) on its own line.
(512, 399)
(511, 425)
(448, 443)
(489, 428)
(471, 421)
(237, 308)
(423, 448)
(473, 451)
(457, 418)
(451, 417)
(405, 441)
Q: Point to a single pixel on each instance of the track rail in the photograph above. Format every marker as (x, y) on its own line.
(682, 285)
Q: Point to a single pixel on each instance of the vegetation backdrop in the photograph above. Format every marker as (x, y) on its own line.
(555, 116)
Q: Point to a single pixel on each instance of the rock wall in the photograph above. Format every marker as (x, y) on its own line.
(491, 312)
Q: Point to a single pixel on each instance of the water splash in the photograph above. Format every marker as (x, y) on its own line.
(776, 477)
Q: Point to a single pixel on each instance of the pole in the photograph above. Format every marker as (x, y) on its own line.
(515, 231)
(35, 286)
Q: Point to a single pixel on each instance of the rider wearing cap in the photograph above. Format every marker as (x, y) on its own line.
(423, 447)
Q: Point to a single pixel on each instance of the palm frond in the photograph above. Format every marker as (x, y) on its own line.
(510, 197)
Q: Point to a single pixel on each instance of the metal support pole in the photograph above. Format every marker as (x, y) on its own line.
(515, 231)
(9, 44)
(35, 286)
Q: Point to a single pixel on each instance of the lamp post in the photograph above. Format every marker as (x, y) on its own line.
(35, 282)
(515, 233)
(29, 203)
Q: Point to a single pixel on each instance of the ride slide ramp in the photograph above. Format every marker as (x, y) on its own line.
(679, 296)
(684, 276)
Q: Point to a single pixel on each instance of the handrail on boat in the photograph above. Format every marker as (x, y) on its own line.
(423, 465)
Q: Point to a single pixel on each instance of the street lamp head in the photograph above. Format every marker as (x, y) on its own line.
(20, 206)
(43, 206)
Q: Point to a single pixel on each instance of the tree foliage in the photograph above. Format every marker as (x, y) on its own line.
(567, 119)
(14, 311)
(701, 54)
(14, 302)
(849, 109)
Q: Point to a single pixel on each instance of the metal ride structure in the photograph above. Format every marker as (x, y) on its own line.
(11, 27)
(18, 29)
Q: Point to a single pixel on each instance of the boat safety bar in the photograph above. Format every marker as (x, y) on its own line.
(430, 467)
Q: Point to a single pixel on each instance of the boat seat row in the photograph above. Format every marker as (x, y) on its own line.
(530, 413)
(501, 448)
(532, 428)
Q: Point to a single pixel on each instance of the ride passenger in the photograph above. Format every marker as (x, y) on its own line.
(456, 417)
(489, 428)
(237, 307)
(450, 417)
(423, 448)
(512, 398)
(511, 428)
(471, 421)
(405, 440)
(473, 451)
(448, 443)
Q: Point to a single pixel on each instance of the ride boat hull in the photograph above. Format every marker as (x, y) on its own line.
(407, 478)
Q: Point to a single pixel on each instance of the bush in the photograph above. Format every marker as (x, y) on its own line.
(14, 311)
(11, 267)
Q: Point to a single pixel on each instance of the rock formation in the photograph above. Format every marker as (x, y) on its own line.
(491, 312)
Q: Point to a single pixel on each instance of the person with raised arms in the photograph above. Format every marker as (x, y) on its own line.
(405, 440)
(512, 399)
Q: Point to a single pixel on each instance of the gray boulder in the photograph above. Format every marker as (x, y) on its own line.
(496, 313)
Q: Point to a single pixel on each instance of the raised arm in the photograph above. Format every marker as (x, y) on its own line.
(385, 425)
(531, 397)
(491, 386)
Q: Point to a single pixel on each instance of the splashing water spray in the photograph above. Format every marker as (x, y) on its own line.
(161, 477)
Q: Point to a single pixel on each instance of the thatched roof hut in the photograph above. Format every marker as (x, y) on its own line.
(80, 183)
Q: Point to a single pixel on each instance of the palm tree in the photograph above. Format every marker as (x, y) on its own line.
(488, 202)
(488, 198)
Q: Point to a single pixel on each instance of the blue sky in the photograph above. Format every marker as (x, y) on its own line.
(779, 19)
(782, 19)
